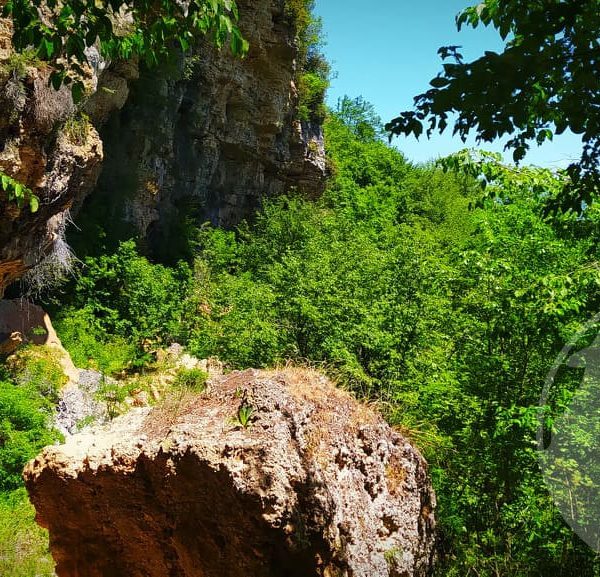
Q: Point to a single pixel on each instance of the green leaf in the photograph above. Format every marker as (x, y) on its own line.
(47, 48)
(34, 203)
(439, 82)
(56, 79)
(185, 45)
(71, 26)
(78, 91)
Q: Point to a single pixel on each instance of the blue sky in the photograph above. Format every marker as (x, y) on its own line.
(388, 54)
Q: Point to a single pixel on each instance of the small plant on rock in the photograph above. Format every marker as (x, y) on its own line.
(77, 128)
(18, 193)
(38, 369)
(13, 74)
(191, 379)
(245, 416)
(391, 555)
(18, 63)
(114, 395)
(246, 413)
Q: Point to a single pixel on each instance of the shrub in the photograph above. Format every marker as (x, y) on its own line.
(113, 394)
(38, 368)
(191, 379)
(77, 128)
(311, 97)
(90, 346)
(119, 304)
(18, 63)
(448, 316)
(131, 296)
(23, 431)
(313, 69)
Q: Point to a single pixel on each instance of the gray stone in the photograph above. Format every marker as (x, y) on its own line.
(214, 132)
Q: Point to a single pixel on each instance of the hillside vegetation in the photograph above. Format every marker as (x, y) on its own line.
(27, 398)
(444, 304)
(440, 293)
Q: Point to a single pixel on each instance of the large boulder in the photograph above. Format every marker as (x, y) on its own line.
(315, 484)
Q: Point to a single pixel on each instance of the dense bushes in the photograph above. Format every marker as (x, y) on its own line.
(119, 306)
(450, 316)
(24, 419)
(28, 392)
(23, 431)
(23, 544)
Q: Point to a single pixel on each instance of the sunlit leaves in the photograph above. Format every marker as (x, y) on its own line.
(449, 317)
(544, 82)
(143, 28)
(18, 193)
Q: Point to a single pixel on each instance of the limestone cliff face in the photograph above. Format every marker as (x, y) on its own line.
(215, 132)
(58, 162)
(316, 485)
(56, 167)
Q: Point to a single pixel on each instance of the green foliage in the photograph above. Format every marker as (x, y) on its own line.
(308, 28)
(26, 405)
(38, 369)
(246, 413)
(359, 116)
(314, 70)
(502, 181)
(244, 416)
(450, 317)
(113, 394)
(18, 63)
(18, 193)
(23, 431)
(541, 84)
(120, 303)
(324, 281)
(311, 95)
(391, 555)
(123, 29)
(24, 550)
(517, 286)
(191, 379)
(90, 346)
(77, 128)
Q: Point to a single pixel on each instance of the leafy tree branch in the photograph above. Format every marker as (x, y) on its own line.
(62, 32)
(543, 83)
(18, 192)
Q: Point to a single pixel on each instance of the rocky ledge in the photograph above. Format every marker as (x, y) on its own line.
(210, 136)
(264, 474)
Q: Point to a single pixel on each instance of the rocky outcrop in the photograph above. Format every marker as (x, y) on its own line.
(57, 153)
(56, 166)
(22, 322)
(212, 135)
(314, 484)
(58, 175)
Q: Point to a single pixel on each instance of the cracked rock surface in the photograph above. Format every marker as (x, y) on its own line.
(315, 484)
